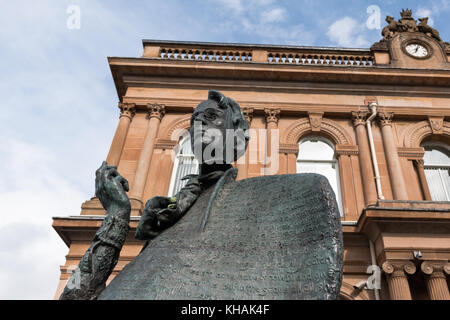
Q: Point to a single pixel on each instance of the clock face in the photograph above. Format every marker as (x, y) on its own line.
(417, 50)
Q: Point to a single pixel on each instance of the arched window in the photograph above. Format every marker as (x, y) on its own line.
(437, 166)
(316, 155)
(185, 163)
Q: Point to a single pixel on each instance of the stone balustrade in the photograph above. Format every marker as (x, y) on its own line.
(244, 53)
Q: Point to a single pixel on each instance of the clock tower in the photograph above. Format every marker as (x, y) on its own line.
(411, 44)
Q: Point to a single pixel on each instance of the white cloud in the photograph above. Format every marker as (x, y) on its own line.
(347, 32)
(423, 12)
(31, 194)
(264, 19)
(273, 15)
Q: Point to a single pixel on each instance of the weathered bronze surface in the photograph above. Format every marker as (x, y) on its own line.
(273, 237)
(89, 279)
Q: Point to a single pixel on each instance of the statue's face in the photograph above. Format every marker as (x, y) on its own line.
(208, 129)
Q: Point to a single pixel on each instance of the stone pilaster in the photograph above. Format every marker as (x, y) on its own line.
(272, 118)
(127, 112)
(242, 164)
(155, 114)
(365, 160)
(419, 163)
(397, 279)
(435, 278)
(393, 161)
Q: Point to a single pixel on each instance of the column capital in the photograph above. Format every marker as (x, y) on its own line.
(156, 110)
(385, 118)
(272, 115)
(398, 268)
(127, 110)
(435, 267)
(359, 118)
(248, 114)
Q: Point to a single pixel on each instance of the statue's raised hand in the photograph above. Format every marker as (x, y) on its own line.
(111, 188)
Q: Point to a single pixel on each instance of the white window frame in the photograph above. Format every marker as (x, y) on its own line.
(334, 162)
(439, 167)
(176, 165)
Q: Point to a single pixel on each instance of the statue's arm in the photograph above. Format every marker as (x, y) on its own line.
(97, 264)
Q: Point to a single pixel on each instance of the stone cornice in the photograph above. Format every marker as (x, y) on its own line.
(288, 108)
(354, 77)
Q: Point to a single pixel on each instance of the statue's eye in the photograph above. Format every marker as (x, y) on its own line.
(210, 114)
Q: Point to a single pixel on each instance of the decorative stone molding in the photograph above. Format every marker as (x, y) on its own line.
(303, 126)
(359, 118)
(435, 267)
(173, 130)
(248, 113)
(346, 150)
(411, 153)
(399, 268)
(437, 124)
(127, 110)
(165, 144)
(272, 115)
(288, 148)
(315, 118)
(414, 134)
(385, 118)
(156, 110)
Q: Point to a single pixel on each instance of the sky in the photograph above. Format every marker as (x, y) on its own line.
(59, 104)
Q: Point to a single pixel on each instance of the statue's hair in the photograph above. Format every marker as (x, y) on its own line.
(232, 108)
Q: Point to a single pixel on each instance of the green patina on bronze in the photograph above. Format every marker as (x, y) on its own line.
(272, 237)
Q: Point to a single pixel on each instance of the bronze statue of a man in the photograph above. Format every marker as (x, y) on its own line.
(270, 237)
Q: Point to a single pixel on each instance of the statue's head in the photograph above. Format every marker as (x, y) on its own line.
(389, 19)
(423, 20)
(218, 130)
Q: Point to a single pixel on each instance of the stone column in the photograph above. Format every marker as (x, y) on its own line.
(155, 114)
(242, 164)
(396, 274)
(365, 159)
(435, 278)
(272, 118)
(423, 179)
(393, 162)
(127, 112)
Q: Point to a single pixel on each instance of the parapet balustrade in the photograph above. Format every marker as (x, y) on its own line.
(205, 55)
(321, 59)
(201, 51)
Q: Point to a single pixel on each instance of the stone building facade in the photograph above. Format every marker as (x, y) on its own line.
(384, 113)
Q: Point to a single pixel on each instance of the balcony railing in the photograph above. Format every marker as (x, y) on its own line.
(245, 53)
